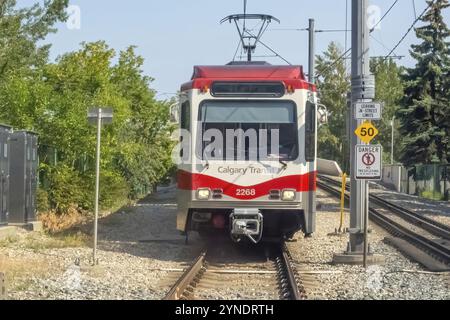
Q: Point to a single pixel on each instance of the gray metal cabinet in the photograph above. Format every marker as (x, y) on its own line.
(5, 132)
(23, 177)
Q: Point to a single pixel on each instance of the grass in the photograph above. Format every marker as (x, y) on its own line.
(19, 271)
(432, 195)
(39, 242)
(59, 241)
(8, 241)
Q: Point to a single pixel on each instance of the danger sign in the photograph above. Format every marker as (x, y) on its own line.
(369, 162)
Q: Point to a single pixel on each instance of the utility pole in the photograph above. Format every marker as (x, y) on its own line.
(310, 200)
(363, 90)
(312, 54)
(392, 140)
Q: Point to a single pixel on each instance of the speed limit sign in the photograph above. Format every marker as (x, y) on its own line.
(367, 132)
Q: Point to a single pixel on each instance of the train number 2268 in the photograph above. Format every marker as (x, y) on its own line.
(245, 192)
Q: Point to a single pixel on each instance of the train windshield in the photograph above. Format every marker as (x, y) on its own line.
(261, 122)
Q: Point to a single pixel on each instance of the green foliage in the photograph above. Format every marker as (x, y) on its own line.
(426, 104)
(433, 195)
(389, 90)
(53, 98)
(20, 31)
(113, 189)
(135, 148)
(333, 84)
(43, 204)
(66, 189)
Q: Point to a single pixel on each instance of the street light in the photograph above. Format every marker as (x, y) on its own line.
(98, 116)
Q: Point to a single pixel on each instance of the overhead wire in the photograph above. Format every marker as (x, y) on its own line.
(414, 8)
(237, 50)
(343, 56)
(270, 49)
(409, 30)
(384, 16)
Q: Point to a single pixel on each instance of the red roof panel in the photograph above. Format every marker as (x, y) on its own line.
(260, 72)
(292, 76)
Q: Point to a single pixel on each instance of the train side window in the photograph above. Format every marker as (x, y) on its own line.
(186, 116)
(310, 132)
(185, 121)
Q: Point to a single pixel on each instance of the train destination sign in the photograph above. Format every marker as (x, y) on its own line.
(368, 162)
(368, 110)
(367, 132)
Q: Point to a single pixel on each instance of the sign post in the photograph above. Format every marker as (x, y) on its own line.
(98, 116)
(362, 111)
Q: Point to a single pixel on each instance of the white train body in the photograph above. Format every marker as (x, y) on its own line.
(251, 198)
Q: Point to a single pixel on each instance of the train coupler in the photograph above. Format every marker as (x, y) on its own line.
(246, 223)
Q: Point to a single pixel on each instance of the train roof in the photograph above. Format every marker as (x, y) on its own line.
(290, 75)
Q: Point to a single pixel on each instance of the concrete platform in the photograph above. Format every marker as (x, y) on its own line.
(7, 231)
(358, 259)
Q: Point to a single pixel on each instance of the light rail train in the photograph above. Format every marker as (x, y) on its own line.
(249, 143)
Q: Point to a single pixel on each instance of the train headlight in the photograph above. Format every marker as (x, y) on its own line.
(288, 195)
(203, 194)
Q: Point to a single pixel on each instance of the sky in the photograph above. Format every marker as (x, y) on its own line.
(175, 35)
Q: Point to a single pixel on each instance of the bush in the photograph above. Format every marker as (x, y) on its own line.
(54, 222)
(114, 189)
(66, 189)
(43, 204)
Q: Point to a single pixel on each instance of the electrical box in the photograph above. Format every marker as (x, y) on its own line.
(23, 177)
(5, 132)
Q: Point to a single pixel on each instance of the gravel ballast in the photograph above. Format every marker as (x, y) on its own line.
(138, 246)
(397, 278)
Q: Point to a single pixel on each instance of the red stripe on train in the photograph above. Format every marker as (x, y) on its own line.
(300, 183)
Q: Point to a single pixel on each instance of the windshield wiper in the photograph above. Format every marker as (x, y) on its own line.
(284, 164)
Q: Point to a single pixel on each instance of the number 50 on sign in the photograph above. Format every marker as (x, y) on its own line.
(367, 132)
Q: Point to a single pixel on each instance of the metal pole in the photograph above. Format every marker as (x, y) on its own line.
(97, 183)
(366, 226)
(312, 57)
(360, 92)
(344, 184)
(392, 141)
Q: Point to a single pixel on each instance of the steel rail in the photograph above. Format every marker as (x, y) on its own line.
(433, 248)
(428, 224)
(296, 293)
(177, 292)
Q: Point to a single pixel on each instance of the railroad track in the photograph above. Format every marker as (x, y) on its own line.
(285, 274)
(430, 225)
(437, 251)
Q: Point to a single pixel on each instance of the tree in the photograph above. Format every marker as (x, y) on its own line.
(426, 105)
(20, 31)
(389, 90)
(53, 98)
(333, 84)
